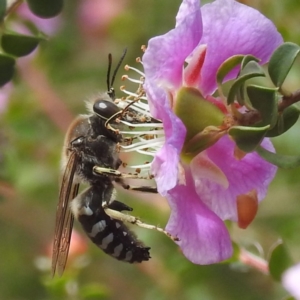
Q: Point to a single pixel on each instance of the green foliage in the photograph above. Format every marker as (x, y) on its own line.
(7, 67)
(19, 45)
(281, 62)
(264, 100)
(46, 8)
(247, 138)
(279, 261)
(282, 161)
(285, 121)
(228, 65)
(2, 9)
(250, 70)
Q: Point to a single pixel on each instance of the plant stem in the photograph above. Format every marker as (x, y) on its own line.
(254, 261)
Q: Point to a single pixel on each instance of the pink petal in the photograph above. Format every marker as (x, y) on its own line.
(245, 175)
(165, 164)
(165, 55)
(230, 28)
(165, 168)
(204, 238)
(291, 281)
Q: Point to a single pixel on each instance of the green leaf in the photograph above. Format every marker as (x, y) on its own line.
(248, 138)
(7, 68)
(227, 66)
(45, 8)
(240, 95)
(247, 59)
(285, 121)
(279, 261)
(2, 9)
(281, 62)
(19, 45)
(230, 63)
(281, 161)
(251, 70)
(265, 101)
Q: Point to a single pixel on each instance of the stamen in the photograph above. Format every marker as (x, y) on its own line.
(143, 132)
(145, 165)
(126, 77)
(122, 88)
(143, 144)
(127, 68)
(143, 124)
(146, 134)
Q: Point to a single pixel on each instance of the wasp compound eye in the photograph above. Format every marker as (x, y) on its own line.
(105, 109)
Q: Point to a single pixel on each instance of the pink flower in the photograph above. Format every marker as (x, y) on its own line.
(291, 281)
(94, 17)
(213, 185)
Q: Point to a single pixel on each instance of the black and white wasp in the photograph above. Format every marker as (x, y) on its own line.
(91, 155)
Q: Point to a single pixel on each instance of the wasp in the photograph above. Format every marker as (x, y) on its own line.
(91, 155)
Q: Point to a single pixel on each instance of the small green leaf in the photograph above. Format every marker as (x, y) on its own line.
(240, 95)
(281, 62)
(281, 161)
(285, 121)
(227, 66)
(279, 261)
(7, 68)
(19, 45)
(2, 9)
(247, 59)
(264, 100)
(46, 8)
(248, 138)
(251, 70)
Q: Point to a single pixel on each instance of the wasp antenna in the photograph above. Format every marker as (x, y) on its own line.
(108, 72)
(117, 68)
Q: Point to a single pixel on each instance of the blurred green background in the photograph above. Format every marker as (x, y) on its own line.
(49, 90)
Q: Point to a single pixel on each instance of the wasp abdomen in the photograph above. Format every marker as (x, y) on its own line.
(110, 235)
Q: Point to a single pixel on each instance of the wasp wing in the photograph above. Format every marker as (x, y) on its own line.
(64, 218)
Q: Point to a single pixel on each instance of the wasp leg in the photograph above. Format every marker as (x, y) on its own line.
(119, 176)
(114, 173)
(134, 220)
(119, 206)
(146, 189)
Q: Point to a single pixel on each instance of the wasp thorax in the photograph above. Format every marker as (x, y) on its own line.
(105, 109)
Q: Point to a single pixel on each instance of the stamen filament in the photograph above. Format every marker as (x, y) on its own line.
(154, 132)
(144, 138)
(127, 67)
(143, 144)
(151, 153)
(143, 166)
(143, 124)
(132, 79)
